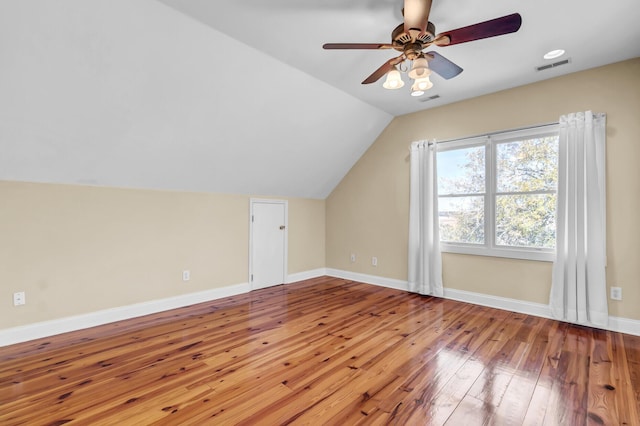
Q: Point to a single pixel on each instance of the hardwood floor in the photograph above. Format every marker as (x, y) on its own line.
(325, 351)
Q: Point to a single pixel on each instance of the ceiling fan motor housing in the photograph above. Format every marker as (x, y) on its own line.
(412, 40)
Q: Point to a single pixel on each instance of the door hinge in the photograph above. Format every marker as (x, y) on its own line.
(251, 277)
(251, 218)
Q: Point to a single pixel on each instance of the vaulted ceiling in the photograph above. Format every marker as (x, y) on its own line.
(237, 96)
(592, 33)
(134, 94)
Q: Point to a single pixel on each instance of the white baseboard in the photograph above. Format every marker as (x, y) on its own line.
(78, 322)
(507, 304)
(368, 279)
(306, 275)
(63, 325)
(624, 325)
(621, 325)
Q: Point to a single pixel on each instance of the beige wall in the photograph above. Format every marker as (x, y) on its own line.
(79, 249)
(367, 213)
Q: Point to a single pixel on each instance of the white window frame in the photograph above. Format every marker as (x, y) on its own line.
(490, 248)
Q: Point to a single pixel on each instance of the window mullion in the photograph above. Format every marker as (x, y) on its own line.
(536, 192)
(518, 204)
(489, 205)
(465, 194)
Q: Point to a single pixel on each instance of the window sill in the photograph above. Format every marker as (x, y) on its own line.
(513, 253)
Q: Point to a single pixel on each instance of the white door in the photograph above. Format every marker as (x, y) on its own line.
(268, 241)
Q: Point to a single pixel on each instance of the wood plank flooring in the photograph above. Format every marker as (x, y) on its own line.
(325, 351)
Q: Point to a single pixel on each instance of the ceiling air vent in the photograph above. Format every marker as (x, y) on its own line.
(428, 98)
(553, 65)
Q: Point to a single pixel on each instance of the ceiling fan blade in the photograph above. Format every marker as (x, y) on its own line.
(385, 68)
(442, 66)
(494, 27)
(331, 46)
(416, 15)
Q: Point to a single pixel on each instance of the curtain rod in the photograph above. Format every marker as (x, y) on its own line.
(497, 132)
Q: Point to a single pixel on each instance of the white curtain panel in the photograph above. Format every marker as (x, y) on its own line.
(425, 259)
(578, 289)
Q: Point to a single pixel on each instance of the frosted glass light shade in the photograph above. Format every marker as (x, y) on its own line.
(420, 68)
(393, 80)
(420, 86)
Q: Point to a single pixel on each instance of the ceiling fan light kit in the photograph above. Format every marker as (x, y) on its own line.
(419, 68)
(421, 85)
(394, 80)
(415, 34)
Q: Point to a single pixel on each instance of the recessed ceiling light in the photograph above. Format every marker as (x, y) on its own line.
(554, 54)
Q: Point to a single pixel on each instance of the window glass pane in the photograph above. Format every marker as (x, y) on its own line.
(461, 219)
(461, 171)
(527, 165)
(526, 220)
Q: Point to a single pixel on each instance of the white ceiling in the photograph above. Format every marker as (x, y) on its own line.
(134, 94)
(139, 94)
(593, 33)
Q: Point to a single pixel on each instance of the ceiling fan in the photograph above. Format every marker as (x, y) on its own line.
(415, 34)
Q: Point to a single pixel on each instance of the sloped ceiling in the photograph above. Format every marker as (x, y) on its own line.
(135, 94)
(592, 32)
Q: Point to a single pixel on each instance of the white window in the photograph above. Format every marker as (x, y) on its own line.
(497, 194)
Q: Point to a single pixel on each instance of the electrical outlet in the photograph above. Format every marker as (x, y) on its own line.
(19, 298)
(374, 261)
(186, 275)
(353, 258)
(616, 293)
